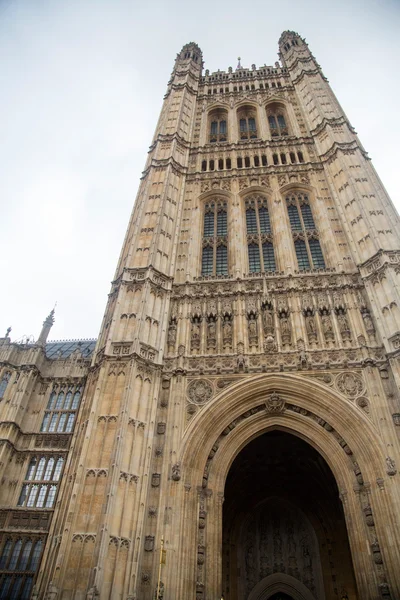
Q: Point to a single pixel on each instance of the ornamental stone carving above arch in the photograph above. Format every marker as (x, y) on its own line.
(200, 391)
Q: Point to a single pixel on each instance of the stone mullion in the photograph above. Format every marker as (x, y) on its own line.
(283, 240)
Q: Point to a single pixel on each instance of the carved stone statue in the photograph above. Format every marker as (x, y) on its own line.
(253, 337)
(268, 321)
(369, 326)
(211, 333)
(172, 333)
(227, 331)
(343, 325)
(195, 334)
(286, 330)
(176, 472)
(310, 325)
(326, 324)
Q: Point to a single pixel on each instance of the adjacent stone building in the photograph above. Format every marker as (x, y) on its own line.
(242, 400)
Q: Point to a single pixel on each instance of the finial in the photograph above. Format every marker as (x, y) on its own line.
(239, 66)
(8, 332)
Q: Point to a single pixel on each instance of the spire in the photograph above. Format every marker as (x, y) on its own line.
(239, 66)
(47, 325)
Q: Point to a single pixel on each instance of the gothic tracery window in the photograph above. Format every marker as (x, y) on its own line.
(40, 485)
(215, 239)
(277, 120)
(61, 410)
(218, 128)
(19, 560)
(305, 235)
(259, 235)
(247, 123)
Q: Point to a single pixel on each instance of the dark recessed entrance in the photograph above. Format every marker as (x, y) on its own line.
(284, 532)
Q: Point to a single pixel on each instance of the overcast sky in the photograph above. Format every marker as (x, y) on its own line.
(82, 83)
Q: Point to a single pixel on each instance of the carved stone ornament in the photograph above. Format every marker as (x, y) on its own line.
(350, 384)
(149, 543)
(200, 391)
(275, 403)
(176, 472)
(390, 466)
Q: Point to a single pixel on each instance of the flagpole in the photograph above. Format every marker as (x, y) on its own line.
(159, 567)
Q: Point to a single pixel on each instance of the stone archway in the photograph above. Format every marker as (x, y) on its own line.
(282, 515)
(319, 415)
(280, 586)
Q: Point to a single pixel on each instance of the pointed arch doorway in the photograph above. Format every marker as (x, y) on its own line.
(284, 532)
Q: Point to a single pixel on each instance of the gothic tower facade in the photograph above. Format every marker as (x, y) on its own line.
(241, 405)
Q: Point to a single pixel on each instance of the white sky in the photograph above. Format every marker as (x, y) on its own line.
(82, 83)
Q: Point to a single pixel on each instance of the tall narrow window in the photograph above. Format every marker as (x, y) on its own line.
(61, 406)
(215, 239)
(259, 235)
(218, 126)
(247, 123)
(306, 243)
(277, 120)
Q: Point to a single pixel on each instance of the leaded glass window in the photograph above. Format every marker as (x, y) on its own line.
(59, 416)
(4, 383)
(306, 243)
(40, 484)
(247, 123)
(277, 120)
(259, 235)
(218, 126)
(215, 239)
(19, 561)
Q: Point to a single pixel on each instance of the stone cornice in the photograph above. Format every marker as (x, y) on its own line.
(376, 265)
(329, 122)
(181, 86)
(163, 138)
(310, 72)
(257, 144)
(345, 148)
(164, 164)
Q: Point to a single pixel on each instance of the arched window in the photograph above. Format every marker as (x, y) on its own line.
(259, 235)
(4, 383)
(247, 123)
(215, 239)
(277, 120)
(218, 128)
(306, 243)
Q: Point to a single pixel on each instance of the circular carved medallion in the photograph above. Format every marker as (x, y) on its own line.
(200, 391)
(350, 384)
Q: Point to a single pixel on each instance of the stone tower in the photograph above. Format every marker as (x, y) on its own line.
(242, 404)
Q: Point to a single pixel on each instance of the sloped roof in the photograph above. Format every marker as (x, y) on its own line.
(64, 348)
